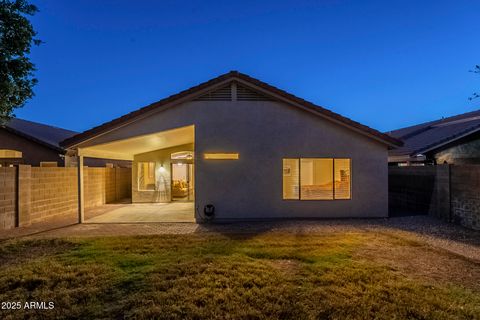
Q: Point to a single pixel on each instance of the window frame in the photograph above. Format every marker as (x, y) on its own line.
(299, 159)
(298, 180)
(139, 163)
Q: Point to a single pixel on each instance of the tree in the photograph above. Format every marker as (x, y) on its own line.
(475, 94)
(16, 69)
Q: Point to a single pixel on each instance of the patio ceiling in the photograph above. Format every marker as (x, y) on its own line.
(125, 149)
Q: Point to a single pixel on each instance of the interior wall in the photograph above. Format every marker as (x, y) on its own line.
(162, 176)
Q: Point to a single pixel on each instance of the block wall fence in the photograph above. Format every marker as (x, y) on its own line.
(37, 194)
(448, 192)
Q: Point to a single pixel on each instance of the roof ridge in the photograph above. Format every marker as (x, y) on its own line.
(39, 124)
(434, 122)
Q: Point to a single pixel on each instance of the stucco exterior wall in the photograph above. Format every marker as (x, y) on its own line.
(33, 153)
(465, 151)
(160, 157)
(263, 133)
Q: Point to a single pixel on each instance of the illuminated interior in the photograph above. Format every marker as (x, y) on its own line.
(316, 179)
(291, 177)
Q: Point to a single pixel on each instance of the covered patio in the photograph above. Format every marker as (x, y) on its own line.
(156, 162)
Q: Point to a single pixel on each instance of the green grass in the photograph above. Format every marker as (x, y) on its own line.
(265, 276)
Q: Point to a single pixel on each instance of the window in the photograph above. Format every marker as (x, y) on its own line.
(146, 176)
(290, 179)
(182, 155)
(342, 179)
(316, 179)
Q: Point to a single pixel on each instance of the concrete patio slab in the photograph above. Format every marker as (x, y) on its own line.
(142, 212)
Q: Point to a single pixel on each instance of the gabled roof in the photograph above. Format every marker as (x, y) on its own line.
(432, 135)
(46, 135)
(223, 79)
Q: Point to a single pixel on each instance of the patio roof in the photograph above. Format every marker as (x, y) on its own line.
(125, 149)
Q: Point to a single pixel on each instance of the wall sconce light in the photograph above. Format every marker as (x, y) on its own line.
(162, 168)
(221, 156)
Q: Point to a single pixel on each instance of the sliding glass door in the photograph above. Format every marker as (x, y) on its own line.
(183, 181)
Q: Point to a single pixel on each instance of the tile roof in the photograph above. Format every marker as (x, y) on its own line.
(49, 136)
(232, 75)
(430, 135)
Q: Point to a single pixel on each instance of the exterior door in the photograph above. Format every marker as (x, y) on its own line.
(182, 182)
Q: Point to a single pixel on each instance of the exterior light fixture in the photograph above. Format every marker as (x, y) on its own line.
(221, 156)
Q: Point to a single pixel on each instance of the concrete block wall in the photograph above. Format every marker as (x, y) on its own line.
(37, 194)
(123, 183)
(411, 190)
(106, 185)
(8, 197)
(465, 195)
(54, 193)
(110, 182)
(447, 192)
(94, 186)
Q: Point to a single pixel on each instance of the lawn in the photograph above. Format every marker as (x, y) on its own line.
(353, 275)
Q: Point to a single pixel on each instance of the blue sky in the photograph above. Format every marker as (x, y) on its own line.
(386, 64)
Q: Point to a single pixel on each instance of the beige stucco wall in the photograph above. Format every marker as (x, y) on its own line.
(160, 157)
(264, 132)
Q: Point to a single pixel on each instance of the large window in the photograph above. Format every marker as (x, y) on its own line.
(316, 179)
(146, 176)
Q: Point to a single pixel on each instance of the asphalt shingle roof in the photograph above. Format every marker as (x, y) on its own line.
(42, 133)
(425, 136)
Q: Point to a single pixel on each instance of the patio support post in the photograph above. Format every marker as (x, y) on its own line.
(81, 204)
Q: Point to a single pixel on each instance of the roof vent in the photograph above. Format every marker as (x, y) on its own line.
(245, 94)
(221, 94)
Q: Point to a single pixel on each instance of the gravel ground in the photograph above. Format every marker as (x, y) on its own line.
(453, 238)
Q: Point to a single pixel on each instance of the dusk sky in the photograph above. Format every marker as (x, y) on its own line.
(386, 64)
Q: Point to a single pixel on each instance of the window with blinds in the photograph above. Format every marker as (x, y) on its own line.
(291, 175)
(317, 179)
(342, 177)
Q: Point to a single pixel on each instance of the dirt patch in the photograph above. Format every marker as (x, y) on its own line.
(420, 261)
(17, 252)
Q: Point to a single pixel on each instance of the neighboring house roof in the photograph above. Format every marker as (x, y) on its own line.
(46, 135)
(432, 135)
(222, 79)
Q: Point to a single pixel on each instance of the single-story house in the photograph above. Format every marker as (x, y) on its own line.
(241, 149)
(27, 142)
(452, 140)
(37, 144)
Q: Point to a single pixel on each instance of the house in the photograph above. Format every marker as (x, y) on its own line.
(27, 142)
(453, 140)
(37, 144)
(241, 149)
